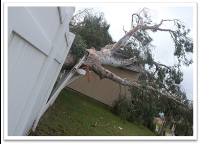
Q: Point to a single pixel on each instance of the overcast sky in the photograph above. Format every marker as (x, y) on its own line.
(119, 15)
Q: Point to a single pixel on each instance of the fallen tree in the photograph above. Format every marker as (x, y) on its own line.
(110, 54)
(134, 51)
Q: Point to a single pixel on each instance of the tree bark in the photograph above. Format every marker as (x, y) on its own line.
(70, 61)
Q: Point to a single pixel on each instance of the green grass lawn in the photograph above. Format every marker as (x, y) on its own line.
(75, 115)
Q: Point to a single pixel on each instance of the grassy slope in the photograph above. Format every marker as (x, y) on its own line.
(74, 115)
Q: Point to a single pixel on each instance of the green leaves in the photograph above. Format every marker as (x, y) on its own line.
(188, 46)
(78, 47)
(90, 30)
(123, 107)
(177, 76)
(94, 30)
(183, 44)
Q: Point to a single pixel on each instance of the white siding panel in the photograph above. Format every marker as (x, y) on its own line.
(62, 13)
(41, 16)
(21, 22)
(27, 62)
(67, 35)
(61, 48)
(47, 19)
(46, 89)
(50, 82)
(12, 48)
(27, 65)
(30, 83)
(13, 69)
(54, 26)
(10, 38)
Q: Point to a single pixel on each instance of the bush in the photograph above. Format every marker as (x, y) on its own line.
(123, 107)
(152, 126)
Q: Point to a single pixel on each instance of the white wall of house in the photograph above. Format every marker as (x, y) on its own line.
(38, 43)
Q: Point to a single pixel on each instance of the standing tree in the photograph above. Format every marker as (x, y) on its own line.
(158, 88)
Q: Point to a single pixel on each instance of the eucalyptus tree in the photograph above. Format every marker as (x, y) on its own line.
(158, 88)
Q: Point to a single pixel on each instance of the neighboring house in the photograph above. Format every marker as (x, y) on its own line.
(105, 90)
(38, 43)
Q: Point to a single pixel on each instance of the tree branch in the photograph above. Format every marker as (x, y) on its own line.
(135, 29)
(85, 10)
(94, 65)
